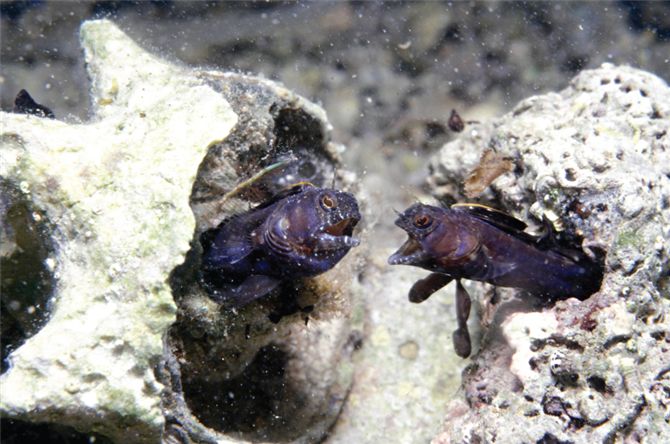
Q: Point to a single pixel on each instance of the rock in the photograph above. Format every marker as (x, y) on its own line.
(594, 158)
(92, 363)
(124, 198)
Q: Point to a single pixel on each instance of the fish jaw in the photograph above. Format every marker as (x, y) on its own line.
(410, 253)
(338, 235)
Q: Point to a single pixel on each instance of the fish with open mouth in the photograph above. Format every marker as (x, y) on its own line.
(302, 231)
(471, 241)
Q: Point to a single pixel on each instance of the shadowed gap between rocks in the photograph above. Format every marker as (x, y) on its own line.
(27, 283)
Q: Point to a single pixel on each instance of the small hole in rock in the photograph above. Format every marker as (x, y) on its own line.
(597, 383)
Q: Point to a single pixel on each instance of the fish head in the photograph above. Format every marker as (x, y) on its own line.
(420, 222)
(314, 226)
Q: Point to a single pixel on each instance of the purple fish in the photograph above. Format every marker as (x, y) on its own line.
(479, 243)
(300, 232)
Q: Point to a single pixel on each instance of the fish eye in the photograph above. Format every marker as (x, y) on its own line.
(328, 201)
(422, 221)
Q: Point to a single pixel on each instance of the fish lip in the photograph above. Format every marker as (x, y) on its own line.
(408, 254)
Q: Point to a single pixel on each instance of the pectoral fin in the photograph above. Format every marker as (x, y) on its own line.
(461, 336)
(253, 287)
(423, 288)
(463, 304)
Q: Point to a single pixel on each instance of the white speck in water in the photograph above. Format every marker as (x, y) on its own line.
(50, 263)
(47, 86)
(36, 217)
(368, 99)
(405, 45)
(14, 305)
(581, 28)
(30, 309)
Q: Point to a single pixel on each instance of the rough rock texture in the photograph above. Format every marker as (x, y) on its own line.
(240, 371)
(119, 203)
(115, 194)
(596, 159)
(388, 75)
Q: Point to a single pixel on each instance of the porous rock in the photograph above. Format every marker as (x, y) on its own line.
(273, 371)
(123, 198)
(595, 159)
(115, 194)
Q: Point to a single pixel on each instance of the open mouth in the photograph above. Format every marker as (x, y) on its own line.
(409, 253)
(345, 227)
(338, 235)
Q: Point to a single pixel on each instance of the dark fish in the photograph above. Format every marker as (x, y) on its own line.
(301, 232)
(482, 244)
(25, 104)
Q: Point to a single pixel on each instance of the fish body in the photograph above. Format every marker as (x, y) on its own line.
(481, 244)
(301, 232)
(464, 245)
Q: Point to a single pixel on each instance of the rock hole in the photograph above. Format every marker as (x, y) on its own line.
(614, 340)
(301, 135)
(658, 335)
(296, 129)
(23, 432)
(259, 404)
(597, 383)
(548, 438)
(655, 113)
(27, 283)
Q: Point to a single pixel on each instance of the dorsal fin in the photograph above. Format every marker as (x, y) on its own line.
(503, 221)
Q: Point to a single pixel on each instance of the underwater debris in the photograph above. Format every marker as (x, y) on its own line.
(456, 122)
(24, 104)
(491, 165)
(475, 242)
